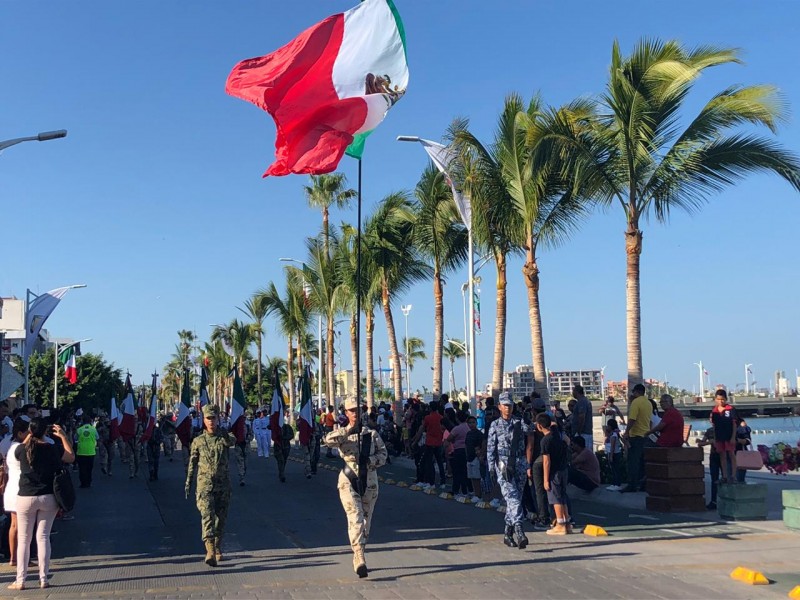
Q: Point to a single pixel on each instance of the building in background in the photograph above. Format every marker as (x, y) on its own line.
(12, 328)
(561, 382)
(518, 382)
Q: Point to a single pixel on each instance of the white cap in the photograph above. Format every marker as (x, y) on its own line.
(448, 405)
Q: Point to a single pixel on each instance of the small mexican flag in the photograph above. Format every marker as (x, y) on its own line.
(238, 406)
(67, 360)
(328, 88)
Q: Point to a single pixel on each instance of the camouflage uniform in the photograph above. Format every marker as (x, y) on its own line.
(210, 458)
(105, 449)
(358, 508)
(134, 449)
(510, 477)
(281, 447)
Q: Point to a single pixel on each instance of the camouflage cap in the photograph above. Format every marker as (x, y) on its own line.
(505, 398)
(350, 403)
(210, 411)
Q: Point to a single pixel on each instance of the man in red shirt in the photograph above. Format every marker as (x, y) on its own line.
(670, 429)
(434, 438)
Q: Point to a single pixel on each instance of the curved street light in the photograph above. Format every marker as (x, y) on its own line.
(44, 136)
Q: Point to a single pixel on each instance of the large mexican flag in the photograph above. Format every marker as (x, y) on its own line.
(329, 88)
(183, 422)
(238, 406)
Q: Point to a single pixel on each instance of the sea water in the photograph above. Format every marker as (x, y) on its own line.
(766, 430)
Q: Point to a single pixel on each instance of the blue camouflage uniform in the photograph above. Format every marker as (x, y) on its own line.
(510, 477)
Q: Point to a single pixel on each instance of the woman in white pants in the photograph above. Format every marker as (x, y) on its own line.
(36, 503)
(18, 433)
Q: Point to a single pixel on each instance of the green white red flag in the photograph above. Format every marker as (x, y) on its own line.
(183, 422)
(276, 410)
(67, 360)
(329, 88)
(127, 427)
(305, 422)
(151, 419)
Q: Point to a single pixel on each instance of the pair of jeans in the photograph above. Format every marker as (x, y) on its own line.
(85, 466)
(616, 469)
(34, 513)
(459, 464)
(636, 461)
(433, 453)
(580, 480)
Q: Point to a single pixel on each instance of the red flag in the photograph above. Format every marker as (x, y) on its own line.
(276, 411)
(113, 433)
(183, 423)
(151, 419)
(127, 427)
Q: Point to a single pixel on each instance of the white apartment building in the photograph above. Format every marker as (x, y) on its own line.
(561, 382)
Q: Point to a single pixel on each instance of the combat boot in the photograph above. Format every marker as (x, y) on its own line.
(522, 540)
(359, 562)
(218, 549)
(211, 560)
(508, 538)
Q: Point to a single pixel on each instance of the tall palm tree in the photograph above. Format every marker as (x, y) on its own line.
(219, 364)
(633, 151)
(256, 308)
(442, 239)
(545, 208)
(326, 191)
(453, 350)
(481, 175)
(238, 336)
(346, 266)
(388, 240)
(415, 350)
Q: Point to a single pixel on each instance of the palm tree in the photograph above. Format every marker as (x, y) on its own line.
(237, 336)
(256, 309)
(453, 350)
(481, 175)
(415, 350)
(389, 243)
(441, 237)
(632, 150)
(219, 364)
(545, 209)
(326, 191)
(346, 265)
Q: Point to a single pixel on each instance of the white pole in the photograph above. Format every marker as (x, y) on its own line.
(319, 366)
(466, 339)
(472, 363)
(25, 346)
(55, 375)
(408, 371)
(747, 378)
(702, 380)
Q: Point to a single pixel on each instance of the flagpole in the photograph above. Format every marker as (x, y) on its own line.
(25, 342)
(472, 392)
(358, 306)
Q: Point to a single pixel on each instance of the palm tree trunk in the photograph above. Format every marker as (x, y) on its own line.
(396, 368)
(353, 344)
(500, 325)
(531, 272)
(325, 231)
(438, 334)
(330, 390)
(370, 327)
(290, 376)
(633, 249)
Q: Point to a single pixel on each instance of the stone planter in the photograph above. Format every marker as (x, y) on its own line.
(742, 501)
(674, 479)
(791, 509)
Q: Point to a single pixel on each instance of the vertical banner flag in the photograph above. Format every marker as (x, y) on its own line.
(328, 88)
(476, 301)
(184, 420)
(304, 423)
(276, 410)
(115, 420)
(443, 158)
(38, 311)
(67, 359)
(151, 419)
(238, 406)
(203, 387)
(127, 427)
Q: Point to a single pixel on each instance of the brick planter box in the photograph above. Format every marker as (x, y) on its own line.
(742, 501)
(791, 509)
(674, 479)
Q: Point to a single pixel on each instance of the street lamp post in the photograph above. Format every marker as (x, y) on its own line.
(319, 346)
(407, 309)
(40, 137)
(55, 366)
(747, 378)
(702, 380)
(466, 357)
(602, 384)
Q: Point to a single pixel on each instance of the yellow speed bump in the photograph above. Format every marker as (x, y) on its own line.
(446, 496)
(749, 576)
(431, 491)
(795, 593)
(389, 481)
(483, 504)
(594, 531)
(402, 484)
(415, 487)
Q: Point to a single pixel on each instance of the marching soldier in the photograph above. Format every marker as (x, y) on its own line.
(363, 453)
(134, 449)
(170, 433)
(209, 458)
(281, 447)
(106, 447)
(505, 451)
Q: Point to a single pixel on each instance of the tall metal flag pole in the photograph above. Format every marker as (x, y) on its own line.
(155, 388)
(357, 382)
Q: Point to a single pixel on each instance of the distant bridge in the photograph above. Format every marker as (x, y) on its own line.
(746, 406)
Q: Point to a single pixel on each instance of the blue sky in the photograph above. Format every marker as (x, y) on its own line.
(155, 199)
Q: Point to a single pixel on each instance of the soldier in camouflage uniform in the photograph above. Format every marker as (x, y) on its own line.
(105, 448)
(505, 451)
(134, 448)
(170, 433)
(209, 458)
(281, 447)
(358, 507)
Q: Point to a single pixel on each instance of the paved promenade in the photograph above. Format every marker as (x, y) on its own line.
(135, 539)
